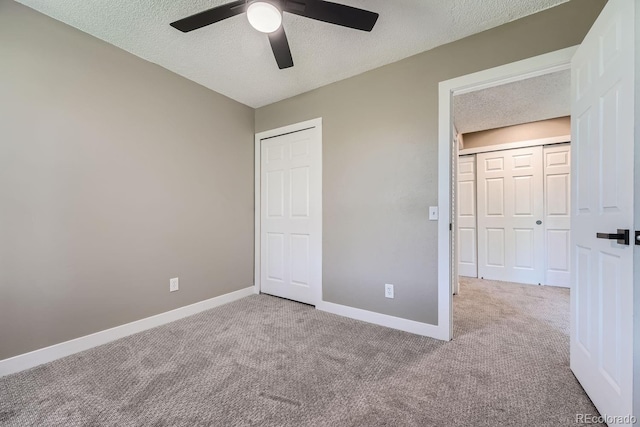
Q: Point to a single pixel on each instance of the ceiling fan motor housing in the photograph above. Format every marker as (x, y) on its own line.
(264, 15)
(276, 3)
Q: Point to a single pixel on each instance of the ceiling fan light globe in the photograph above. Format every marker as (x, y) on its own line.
(264, 16)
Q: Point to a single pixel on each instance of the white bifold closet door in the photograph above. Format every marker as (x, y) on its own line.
(510, 215)
(291, 216)
(557, 214)
(467, 244)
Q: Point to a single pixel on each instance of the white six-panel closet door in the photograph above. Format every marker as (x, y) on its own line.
(510, 215)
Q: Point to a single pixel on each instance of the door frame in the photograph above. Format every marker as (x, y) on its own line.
(531, 67)
(296, 127)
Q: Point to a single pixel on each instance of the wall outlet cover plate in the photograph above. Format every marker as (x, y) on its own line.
(388, 291)
(174, 284)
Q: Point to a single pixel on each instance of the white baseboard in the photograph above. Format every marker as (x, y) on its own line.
(67, 348)
(393, 322)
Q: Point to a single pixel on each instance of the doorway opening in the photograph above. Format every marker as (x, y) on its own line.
(540, 67)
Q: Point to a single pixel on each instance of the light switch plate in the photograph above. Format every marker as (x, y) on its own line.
(433, 213)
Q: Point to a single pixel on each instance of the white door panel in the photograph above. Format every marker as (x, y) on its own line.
(494, 247)
(467, 245)
(602, 111)
(275, 256)
(557, 218)
(524, 251)
(291, 215)
(494, 196)
(510, 187)
(467, 249)
(467, 199)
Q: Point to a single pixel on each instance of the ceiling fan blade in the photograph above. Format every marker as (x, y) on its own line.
(333, 13)
(280, 47)
(210, 16)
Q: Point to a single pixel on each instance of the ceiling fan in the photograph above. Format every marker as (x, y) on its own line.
(266, 16)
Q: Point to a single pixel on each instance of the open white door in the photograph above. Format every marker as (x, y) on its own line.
(602, 128)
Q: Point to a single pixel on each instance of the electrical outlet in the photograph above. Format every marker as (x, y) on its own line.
(174, 284)
(388, 291)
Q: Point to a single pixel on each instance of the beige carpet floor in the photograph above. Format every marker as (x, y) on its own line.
(264, 361)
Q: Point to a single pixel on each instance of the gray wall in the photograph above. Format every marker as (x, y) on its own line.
(115, 175)
(380, 154)
(560, 126)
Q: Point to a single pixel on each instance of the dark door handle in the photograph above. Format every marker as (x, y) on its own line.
(622, 236)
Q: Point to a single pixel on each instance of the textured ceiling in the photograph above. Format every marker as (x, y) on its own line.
(538, 98)
(232, 58)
